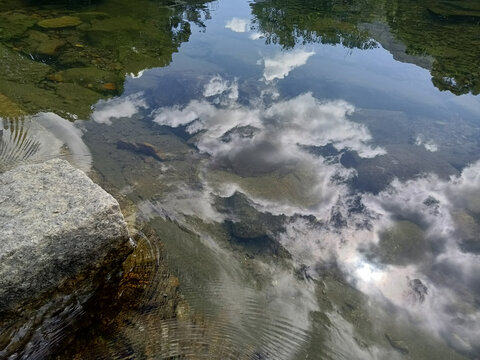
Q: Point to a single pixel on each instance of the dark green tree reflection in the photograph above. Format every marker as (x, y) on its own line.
(288, 23)
(448, 31)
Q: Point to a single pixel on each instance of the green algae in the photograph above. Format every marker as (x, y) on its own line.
(17, 68)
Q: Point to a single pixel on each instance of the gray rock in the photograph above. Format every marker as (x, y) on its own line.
(62, 237)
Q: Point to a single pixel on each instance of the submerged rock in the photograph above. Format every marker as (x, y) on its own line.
(404, 243)
(398, 345)
(455, 9)
(467, 230)
(40, 43)
(143, 148)
(60, 22)
(8, 108)
(418, 291)
(14, 24)
(63, 237)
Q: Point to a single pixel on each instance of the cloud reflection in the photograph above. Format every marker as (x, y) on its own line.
(270, 150)
(258, 139)
(218, 86)
(446, 305)
(280, 65)
(237, 25)
(348, 227)
(429, 145)
(107, 110)
(278, 131)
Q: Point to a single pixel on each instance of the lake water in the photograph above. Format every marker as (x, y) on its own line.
(308, 171)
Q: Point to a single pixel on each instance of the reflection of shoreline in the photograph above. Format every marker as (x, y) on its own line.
(422, 33)
(383, 35)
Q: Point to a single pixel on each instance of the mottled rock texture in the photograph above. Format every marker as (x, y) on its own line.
(62, 237)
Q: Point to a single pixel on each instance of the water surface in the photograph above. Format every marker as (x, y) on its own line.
(308, 169)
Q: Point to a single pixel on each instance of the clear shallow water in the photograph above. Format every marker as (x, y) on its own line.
(315, 197)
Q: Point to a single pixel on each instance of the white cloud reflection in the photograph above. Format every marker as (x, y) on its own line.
(280, 65)
(71, 138)
(278, 133)
(255, 139)
(429, 145)
(237, 25)
(107, 110)
(287, 125)
(448, 307)
(251, 139)
(218, 86)
(256, 36)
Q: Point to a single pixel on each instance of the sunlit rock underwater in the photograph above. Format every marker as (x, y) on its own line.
(300, 179)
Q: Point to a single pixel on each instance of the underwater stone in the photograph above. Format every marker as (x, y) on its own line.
(62, 237)
(467, 230)
(92, 15)
(60, 22)
(8, 108)
(142, 148)
(96, 78)
(404, 243)
(13, 25)
(41, 43)
(50, 47)
(398, 345)
(19, 69)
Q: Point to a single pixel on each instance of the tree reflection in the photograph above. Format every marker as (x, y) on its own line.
(289, 23)
(448, 31)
